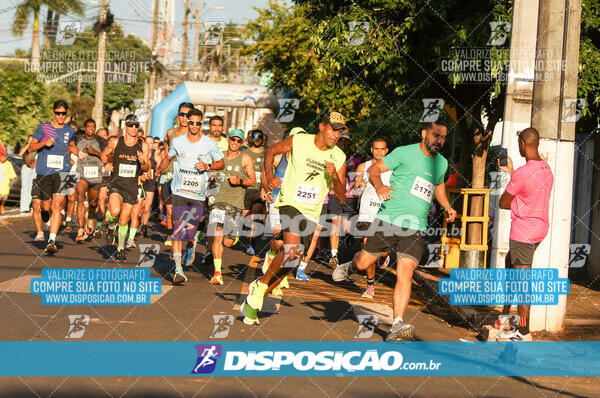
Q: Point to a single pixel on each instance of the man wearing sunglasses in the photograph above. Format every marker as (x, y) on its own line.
(225, 219)
(53, 141)
(253, 204)
(165, 179)
(196, 156)
(316, 164)
(130, 159)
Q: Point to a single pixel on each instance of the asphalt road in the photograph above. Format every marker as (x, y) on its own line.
(318, 310)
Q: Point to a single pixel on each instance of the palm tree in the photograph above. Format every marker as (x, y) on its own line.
(33, 6)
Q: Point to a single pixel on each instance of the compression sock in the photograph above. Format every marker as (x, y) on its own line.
(111, 219)
(177, 259)
(218, 262)
(132, 232)
(122, 233)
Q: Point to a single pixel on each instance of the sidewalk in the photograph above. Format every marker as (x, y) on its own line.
(12, 214)
(582, 321)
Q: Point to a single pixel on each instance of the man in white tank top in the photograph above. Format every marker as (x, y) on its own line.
(370, 202)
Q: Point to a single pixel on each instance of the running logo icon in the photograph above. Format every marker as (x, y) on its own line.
(573, 109)
(148, 255)
(67, 32)
(207, 358)
(223, 323)
(213, 32)
(434, 251)
(287, 109)
(77, 325)
(499, 34)
(366, 326)
(578, 254)
(431, 109)
(143, 108)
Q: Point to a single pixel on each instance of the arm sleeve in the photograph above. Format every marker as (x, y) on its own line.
(394, 159)
(39, 133)
(515, 184)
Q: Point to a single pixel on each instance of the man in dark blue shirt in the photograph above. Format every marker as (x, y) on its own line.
(54, 141)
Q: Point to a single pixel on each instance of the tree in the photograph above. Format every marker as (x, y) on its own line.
(33, 6)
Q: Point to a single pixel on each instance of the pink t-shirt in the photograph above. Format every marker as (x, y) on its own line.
(530, 185)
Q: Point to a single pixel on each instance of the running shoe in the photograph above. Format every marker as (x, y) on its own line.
(513, 335)
(400, 331)
(301, 275)
(89, 231)
(385, 262)
(121, 256)
(277, 291)
(333, 262)
(250, 314)
(179, 277)
(67, 226)
(130, 243)
(369, 292)
(341, 272)
(190, 254)
(250, 251)
(39, 237)
(284, 284)
(256, 294)
(217, 279)
(51, 247)
(81, 236)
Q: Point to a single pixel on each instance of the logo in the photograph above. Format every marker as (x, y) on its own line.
(578, 254)
(148, 255)
(77, 324)
(434, 255)
(222, 324)
(213, 31)
(499, 181)
(68, 181)
(499, 33)
(207, 358)
(358, 32)
(287, 109)
(292, 254)
(431, 109)
(573, 108)
(143, 108)
(312, 175)
(248, 95)
(67, 32)
(366, 326)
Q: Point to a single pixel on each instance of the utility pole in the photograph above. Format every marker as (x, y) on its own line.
(98, 111)
(153, 62)
(185, 36)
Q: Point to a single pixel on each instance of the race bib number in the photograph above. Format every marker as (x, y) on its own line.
(309, 194)
(422, 189)
(258, 177)
(90, 172)
(127, 170)
(216, 216)
(55, 161)
(191, 182)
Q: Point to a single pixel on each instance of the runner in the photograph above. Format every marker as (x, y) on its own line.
(226, 206)
(53, 141)
(89, 168)
(102, 136)
(315, 165)
(130, 159)
(196, 154)
(417, 177)
(150, 184)
(253, 204)
(369, 205)
(215, 126)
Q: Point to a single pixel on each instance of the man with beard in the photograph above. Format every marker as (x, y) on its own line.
(253, 204)
(417, 177)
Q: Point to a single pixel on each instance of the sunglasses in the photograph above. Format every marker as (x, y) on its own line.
(256, 135)
(60, 113)
(239, 141)
(182, 114)
(192, 123)
(136, 125)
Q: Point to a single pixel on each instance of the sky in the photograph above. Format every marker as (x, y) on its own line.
(134, 15)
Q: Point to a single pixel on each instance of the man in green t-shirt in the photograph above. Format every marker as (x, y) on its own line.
(417, 177)
(316, 165)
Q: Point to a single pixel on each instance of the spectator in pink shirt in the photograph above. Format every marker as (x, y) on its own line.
(527, 196)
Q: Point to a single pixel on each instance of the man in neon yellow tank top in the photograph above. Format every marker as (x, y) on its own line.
(315, 166)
